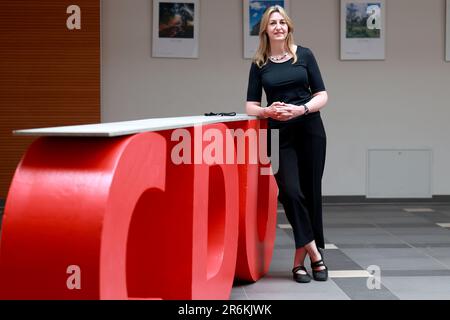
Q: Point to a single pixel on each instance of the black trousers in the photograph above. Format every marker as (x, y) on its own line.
(302, 148)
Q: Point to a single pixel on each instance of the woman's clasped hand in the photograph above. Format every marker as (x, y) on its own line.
(283, 111)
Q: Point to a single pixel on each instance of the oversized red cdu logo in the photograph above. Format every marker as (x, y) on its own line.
(132, 223)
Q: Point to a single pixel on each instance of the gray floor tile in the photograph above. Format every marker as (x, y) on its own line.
(372, 245)
(325, 295)
(433, 230)
(284, 239)
(282, 260)
(413, 236)
(338, 260)
(283, 253)
(361, 236)
(281, 218)
(347, 220)
(279, 285)
(373, 231)
(403, 225)
(417, 273)
(394, 259)
(357, 289)
(441, 254)
(429, 245)
(363, 208)
(238, 293)
(438, 241)
(420, 288)
(347, 225)
(239, 297)
(444, 209)
(434, 216)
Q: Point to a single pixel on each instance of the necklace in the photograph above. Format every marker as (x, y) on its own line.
(278, 58)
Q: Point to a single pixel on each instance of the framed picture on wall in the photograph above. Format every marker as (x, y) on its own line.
(175, 28)
(447, 32)
(253, 12)
(363, 29)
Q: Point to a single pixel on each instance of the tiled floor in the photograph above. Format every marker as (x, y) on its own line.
(409, 249)
(409, 245)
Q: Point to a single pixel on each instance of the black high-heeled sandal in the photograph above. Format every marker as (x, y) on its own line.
(299, 277)
(319, 275)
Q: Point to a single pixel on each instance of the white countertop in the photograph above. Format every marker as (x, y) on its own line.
(114, 129)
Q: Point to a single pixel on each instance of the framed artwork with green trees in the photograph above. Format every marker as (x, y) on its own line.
(363, 29)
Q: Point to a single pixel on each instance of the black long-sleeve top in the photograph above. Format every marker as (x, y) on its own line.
(286, 82)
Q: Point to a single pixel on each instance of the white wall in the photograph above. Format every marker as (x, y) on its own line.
(401, 102)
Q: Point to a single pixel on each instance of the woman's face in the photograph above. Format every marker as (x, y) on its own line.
(277, 29)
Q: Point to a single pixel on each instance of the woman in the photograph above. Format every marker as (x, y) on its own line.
(295, 93)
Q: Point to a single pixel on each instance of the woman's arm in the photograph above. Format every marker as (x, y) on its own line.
(289, 111)
(253, 108)
(318, 101)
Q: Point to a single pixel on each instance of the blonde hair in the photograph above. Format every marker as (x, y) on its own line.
(262, 54)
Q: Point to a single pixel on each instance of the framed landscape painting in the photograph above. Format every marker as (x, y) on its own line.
(363, 29)
(175, 28)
